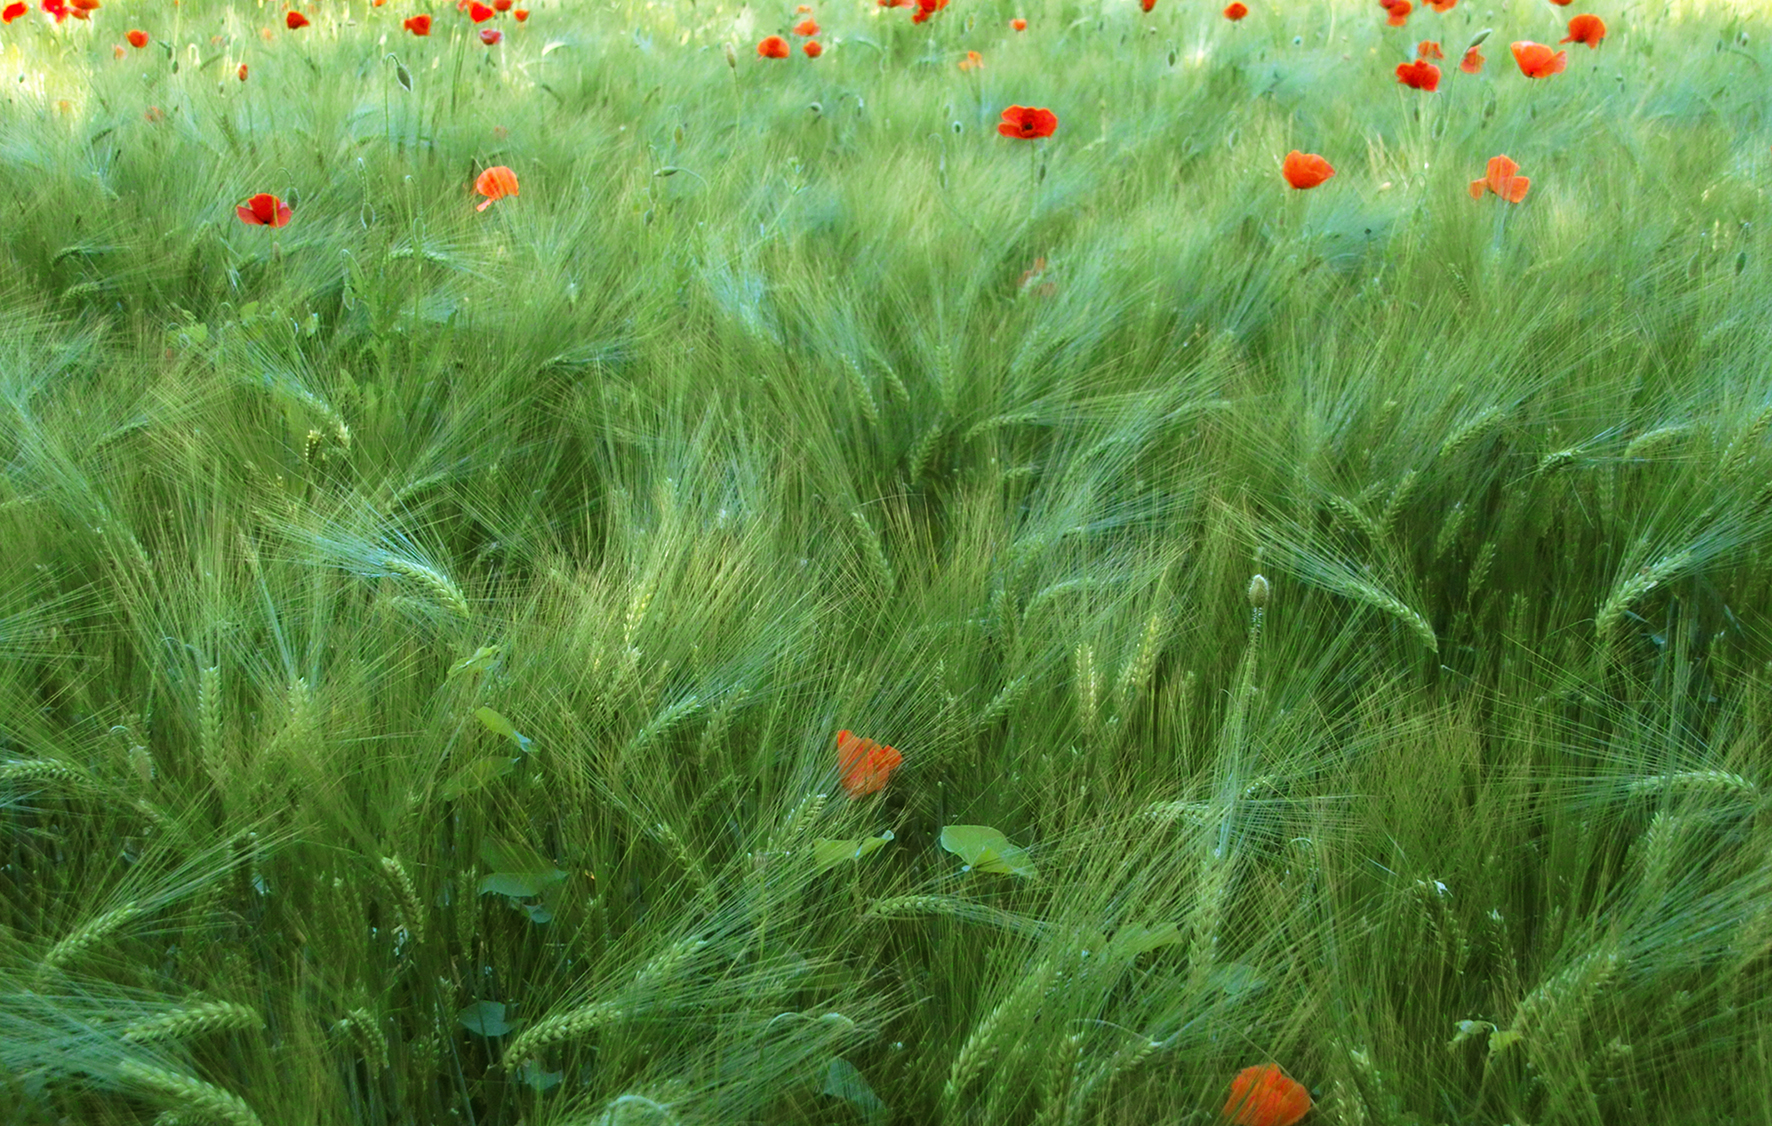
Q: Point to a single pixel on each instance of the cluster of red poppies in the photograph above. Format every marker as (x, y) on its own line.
(59, 10)
(775, 47)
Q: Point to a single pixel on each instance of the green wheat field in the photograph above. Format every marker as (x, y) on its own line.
(1324, 628)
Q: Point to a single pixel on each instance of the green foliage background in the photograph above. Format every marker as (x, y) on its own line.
(423, 633)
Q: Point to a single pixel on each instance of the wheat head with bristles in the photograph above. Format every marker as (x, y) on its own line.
(981, 1045)
(566, 1026)
(195, 1020)
(203, 1099)
(440, 585)
(412, 907)
(86, 937)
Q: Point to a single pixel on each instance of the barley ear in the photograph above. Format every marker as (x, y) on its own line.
(204, 1100)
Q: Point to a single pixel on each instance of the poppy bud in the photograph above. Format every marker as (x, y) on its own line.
(731, 56)
(1258, 592)
(402, 75)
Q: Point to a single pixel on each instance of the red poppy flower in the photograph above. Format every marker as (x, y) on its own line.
(418, 25)
(1501, 179)
(1442, 6)
(927, 8)
(495, 183)
(1305, 169)
(295, 20)
(807, 28)
(813, 48)
(242, 72)
(1428, 49)
(865, 765)
(774, 47)
(1264, 1096)
(1147, 5)
(501, 5)
(1538, 61)
(1585, 29)
(1420, 75)
(1399, 12)
(56, 8)
(1018, 24)
(1562, 3)
(1027, 122)
(137, 38)
(490, 36)
(13, 11)
(521, 14)
(80, 6)
(479, 12)
(1472, 62)
(264, 210)
(1235, 11)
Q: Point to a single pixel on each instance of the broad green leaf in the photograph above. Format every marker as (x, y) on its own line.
(843, 1080)
(475, 775)
(484, 1018)
(1133, 941)
(521, 885)
(499, 725)
(827, 854)
(483, 659)
(984, 849)
(1503, 1039)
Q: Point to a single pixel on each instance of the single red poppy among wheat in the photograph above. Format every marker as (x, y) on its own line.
(12, 11)
(1027, 123)
(418, 25)
(242, 72)
(1235, 11)
(495, 183)
(1538, 61)
(1305, 169)
(295, 20)
(806, 28)
(865, 765)
(1397, 12)
(1473, 61)
(520, 14)
(1586, 29)
(1264, 1096)
(1419, 75)
(1502, 178)
(264, 210)
(1442, 6)
(1018, 24)
(490, 36)
(813, 48)
(137, 38)
(479, 12)
(773, 47)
